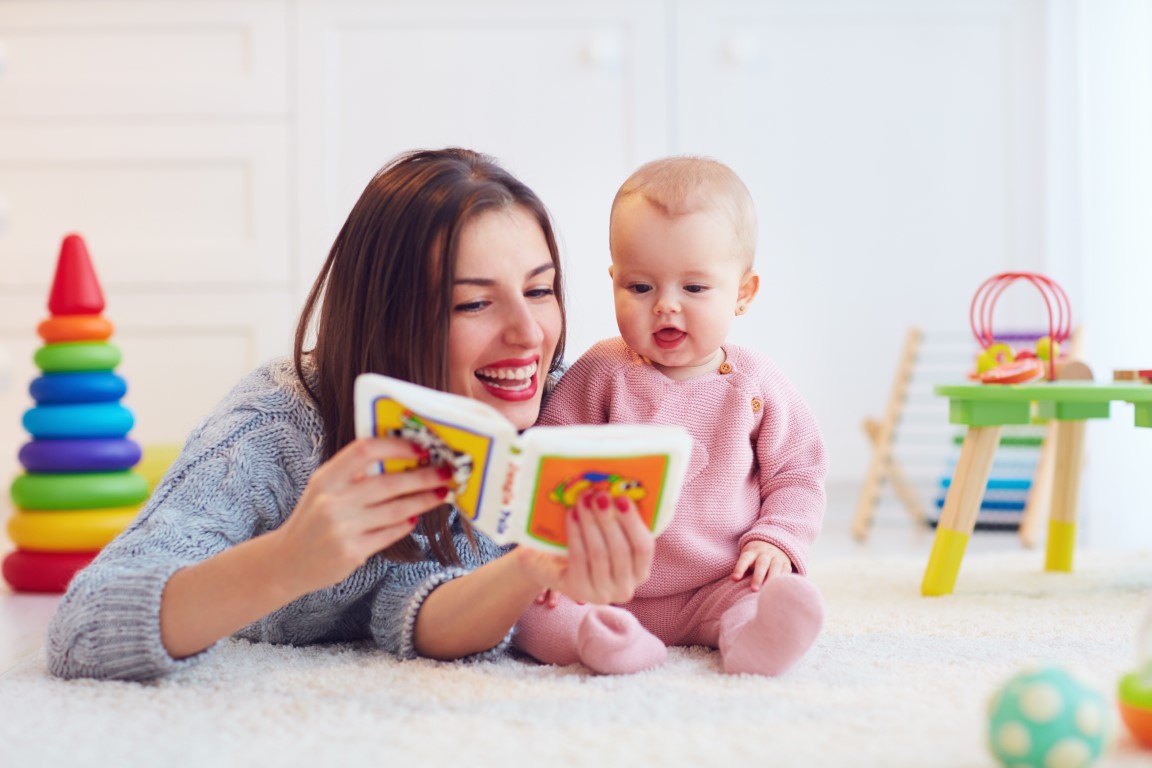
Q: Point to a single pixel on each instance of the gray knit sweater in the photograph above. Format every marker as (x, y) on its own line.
(239, 475)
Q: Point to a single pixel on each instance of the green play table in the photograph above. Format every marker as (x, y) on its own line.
(984, 409)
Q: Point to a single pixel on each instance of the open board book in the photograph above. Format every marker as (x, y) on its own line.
(514, 487)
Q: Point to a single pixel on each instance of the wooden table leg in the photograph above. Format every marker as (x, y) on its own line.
(1040, 494)
(961, 506)
(1065, 495)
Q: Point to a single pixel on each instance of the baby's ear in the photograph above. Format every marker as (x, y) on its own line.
(749, 286)
(610, 275)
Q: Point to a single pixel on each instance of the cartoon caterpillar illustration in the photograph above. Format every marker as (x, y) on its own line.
(568, 491)
(439, 452)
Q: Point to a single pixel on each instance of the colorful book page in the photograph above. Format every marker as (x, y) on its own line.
(560, 480)
(467, 450)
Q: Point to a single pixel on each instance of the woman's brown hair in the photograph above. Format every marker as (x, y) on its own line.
(383, 300)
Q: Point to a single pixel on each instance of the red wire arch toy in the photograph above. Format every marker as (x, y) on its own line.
(1055, 301)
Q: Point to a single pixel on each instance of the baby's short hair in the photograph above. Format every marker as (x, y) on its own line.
(688, 183)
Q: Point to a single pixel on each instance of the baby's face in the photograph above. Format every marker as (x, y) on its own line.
(677, 285)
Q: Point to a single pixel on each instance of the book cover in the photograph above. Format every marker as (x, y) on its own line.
(518, 487)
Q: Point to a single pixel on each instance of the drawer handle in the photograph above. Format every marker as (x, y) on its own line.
(742, 49)
(602, 51)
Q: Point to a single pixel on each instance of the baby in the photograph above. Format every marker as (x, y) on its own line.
(729, 570)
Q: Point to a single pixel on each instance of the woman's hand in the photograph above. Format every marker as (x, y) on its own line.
(347, 514)
(609, 552)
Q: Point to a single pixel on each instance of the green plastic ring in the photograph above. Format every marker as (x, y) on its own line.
(80, 490)
(72, 356)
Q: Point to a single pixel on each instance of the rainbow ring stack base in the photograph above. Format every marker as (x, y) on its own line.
(78, 489)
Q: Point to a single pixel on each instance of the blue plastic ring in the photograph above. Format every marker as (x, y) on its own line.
(107, 454)
(68, 421)
(86, 387)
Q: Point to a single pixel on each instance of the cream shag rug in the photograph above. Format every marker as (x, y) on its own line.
(895, 680)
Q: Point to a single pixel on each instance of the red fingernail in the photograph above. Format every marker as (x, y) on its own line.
(444, 471)
(602, 501)
(575, 514)
(413, 520)
(441, 493)
(621, 503)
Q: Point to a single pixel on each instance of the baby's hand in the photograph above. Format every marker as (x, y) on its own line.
(549, 598)
(764, 559)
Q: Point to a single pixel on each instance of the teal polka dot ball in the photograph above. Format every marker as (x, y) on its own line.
(1047, 718)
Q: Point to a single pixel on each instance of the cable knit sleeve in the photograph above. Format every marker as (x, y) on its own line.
(793, 464)
(239, 474)
(407, 585)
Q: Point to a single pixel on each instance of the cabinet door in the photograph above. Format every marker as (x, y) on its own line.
(139, 57)
(570, 97)
(895, 153)
(172, 208)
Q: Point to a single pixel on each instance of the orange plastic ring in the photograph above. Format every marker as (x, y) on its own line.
(75, 328)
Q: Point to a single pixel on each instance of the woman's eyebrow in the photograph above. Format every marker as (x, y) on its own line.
(489, 281)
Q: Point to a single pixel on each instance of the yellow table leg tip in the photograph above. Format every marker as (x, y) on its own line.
(944, 562)
(1061, 544)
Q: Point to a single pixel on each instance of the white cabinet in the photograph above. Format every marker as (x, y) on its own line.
(162, 133)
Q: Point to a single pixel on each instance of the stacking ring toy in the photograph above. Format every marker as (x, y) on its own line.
(43, 571)
(77, 356)
(93, 455)
(81, 387)
(78, 420)
(84, 530)
(83, 490)
(75, 328)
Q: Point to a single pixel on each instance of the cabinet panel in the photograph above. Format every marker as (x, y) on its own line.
(181, 355)
(160, 207)
(570, 97)
(77, 59)
(895, 154)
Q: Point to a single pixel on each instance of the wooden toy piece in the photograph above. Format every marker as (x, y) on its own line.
(1073, 370)
(882, 465)
(75, 289)
(1065, 493)
(1019, 371)
(1133, 374)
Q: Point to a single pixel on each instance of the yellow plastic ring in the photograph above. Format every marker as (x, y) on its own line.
(82, 530)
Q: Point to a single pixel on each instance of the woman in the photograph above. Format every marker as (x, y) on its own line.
(270, 527)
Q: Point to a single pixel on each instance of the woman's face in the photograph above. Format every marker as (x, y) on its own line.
(505, 317)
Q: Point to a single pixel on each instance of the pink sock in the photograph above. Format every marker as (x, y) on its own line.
(768, 632)
(611, 641)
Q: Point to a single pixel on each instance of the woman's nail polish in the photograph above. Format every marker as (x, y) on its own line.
(602, 501)
(413, 520)
(575, 515)
(621, 503)
(444, 471)
(441, 493)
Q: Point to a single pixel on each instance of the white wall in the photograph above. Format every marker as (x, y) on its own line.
(1113, 62)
